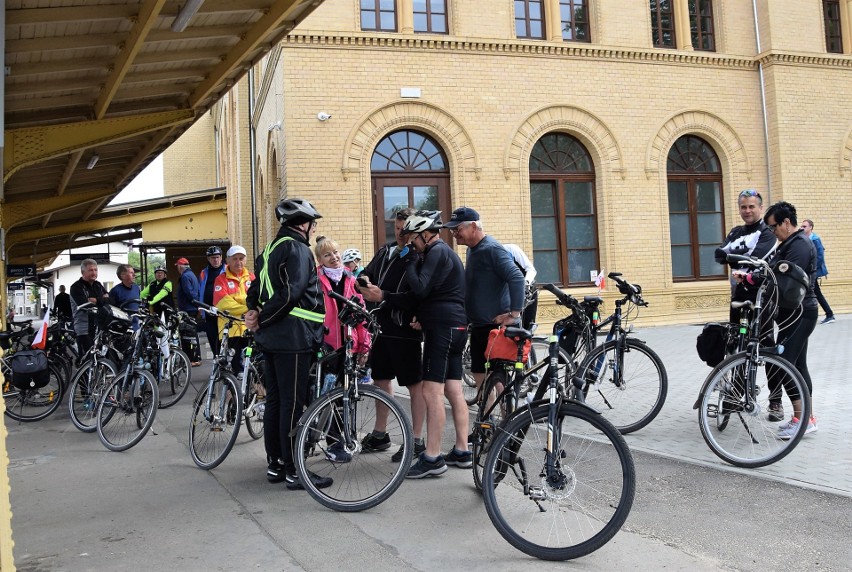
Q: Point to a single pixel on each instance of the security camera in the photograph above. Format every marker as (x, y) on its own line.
(323, 116)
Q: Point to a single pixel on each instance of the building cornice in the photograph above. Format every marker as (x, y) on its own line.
(559, 50)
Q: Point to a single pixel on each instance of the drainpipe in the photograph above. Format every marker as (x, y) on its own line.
(763, 105)
(252, 167)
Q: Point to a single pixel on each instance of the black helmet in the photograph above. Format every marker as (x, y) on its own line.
(295, 211)
(791, 282)
(214, 250)
(422, 220)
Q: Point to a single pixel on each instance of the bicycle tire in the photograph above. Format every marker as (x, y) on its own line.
(368, 478)
(123, 422)
(750, 440)
(595, 494)
(483, 432)
(254, 404)
(468, 381)
(28, 405)
(84, 394)
(212, 437)
(629, 396)
(175, 382)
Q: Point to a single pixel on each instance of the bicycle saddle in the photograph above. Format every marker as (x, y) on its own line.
(517, 333)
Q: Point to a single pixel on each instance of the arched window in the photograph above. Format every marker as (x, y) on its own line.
(696, 220)
(563, 208)
(409, 169)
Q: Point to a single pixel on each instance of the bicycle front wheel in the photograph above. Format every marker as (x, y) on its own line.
(328, 444)
(87, 386)
(747, 438)
(628, 387)
(126, 410)
(580, 505)
(177, 374)
(255, 400)
(217, 414)
(32, 404)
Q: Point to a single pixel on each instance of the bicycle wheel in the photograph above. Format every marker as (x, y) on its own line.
(127, 409)
(483, 430)
(254, 402)
(87, 387)
(32, 404)
(749, 440)
(177, 374)
(366, 478)
(468, 382)
(628, 389)
(212, 435)
(585, 503)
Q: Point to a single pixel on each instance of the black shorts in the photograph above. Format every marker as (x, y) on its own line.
(442, 353)
(396, 358)
(478, 344)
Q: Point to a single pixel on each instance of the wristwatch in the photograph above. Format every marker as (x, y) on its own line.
(515, 314)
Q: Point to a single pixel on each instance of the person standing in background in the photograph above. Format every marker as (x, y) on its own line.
(821, 269)
(188, 291)
(207, 279)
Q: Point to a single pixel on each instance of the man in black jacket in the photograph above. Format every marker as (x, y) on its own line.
(86, 289)
(286, 313)
(752, 238)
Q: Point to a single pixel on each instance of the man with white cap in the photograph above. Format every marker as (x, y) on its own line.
(229, 294)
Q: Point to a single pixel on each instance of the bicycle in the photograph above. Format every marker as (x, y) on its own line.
(127, 408)
(28, 403)
(623, 378)
(329, 434)
(558, 480)
(744, 384)
(174, 373)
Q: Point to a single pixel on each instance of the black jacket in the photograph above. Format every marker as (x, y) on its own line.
(387, 271)
(293, 277)
(799, 249)
(754, 239)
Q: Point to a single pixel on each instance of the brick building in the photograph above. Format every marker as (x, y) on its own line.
(596, 134)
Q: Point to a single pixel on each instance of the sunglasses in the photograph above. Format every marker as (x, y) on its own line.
(773, 226)
(750, 193)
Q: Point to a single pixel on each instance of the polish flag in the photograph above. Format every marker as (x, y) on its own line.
(40, 341)
(600, 281)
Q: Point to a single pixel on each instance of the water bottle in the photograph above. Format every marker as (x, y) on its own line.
(328, 383)
(366, 377)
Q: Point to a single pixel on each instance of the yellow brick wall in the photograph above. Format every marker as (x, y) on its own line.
(487, 102)
(190, 162)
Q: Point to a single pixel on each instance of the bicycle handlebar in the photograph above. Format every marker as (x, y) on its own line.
(217, 312)
(632, 291)
(743, 260)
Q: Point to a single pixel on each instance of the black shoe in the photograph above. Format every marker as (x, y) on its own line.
(419, 447)
(423, 468)
(275, 473)
(372, 443)
(461, 459)
(294, 484)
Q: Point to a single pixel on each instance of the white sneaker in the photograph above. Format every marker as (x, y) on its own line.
(787, 430)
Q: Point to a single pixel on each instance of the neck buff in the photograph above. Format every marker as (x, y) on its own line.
(335, 274)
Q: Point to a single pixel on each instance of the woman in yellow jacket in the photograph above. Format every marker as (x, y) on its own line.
(229, 294)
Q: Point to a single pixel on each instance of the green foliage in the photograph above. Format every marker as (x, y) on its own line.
(135, 259)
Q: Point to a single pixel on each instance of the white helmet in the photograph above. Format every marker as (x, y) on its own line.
(351, 255)
(422, 220)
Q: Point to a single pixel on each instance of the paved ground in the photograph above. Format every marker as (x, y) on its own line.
(77, 506)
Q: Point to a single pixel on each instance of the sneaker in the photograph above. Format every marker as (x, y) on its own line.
(813, 423)
(373, 443)
(337, 453)
(294, 484)
(419, 447)
(423, 468)
(828, 319)
(275, 473)
(196, 364)
(776, 412)
(461, 459)
(793, 427)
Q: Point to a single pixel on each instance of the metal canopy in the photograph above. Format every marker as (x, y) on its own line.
(96, 89)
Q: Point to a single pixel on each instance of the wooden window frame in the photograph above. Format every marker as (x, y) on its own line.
(697, 30)
(377, 10)
(828, 20)
(525, 17)
(428, 13)
(657, 23)
(573, 5)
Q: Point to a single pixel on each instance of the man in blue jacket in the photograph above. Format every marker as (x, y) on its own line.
(821, 270)
(188, 290)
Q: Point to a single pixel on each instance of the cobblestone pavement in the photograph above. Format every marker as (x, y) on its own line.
(822, 460)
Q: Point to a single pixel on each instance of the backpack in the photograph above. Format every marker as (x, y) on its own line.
(29, 369)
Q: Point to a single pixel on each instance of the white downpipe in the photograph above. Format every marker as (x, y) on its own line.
(763, 105)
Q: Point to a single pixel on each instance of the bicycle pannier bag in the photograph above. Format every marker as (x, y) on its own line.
(711, 343)
(29, 369)
(792, 284)
(503, 348)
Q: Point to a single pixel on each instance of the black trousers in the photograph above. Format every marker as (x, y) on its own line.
(287, 378)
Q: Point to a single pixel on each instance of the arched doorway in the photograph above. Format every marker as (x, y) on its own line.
(408, 169)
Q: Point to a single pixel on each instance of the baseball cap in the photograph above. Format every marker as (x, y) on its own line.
(183, 261)
(460, 215)
(236, 250)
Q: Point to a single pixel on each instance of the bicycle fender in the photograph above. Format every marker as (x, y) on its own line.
(544, 403)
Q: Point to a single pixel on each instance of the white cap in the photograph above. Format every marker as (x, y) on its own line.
(236, 250)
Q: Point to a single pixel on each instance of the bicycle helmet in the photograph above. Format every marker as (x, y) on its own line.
(160, 268)
(421, 221)
(351, 255)
(295, 211)
(214, 251)
(791, 284)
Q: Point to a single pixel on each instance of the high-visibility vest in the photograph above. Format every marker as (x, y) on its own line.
(266, 285)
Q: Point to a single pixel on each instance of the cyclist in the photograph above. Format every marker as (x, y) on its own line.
(229, 294)
(126, 289)
(206, 279)
(286, 314)
(188, 291)
(526, 267)
(159, 292)
(86, 289)
(436, 282)
(352, 261)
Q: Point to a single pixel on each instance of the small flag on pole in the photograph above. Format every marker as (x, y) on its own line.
(600, 281)
(40, 341)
